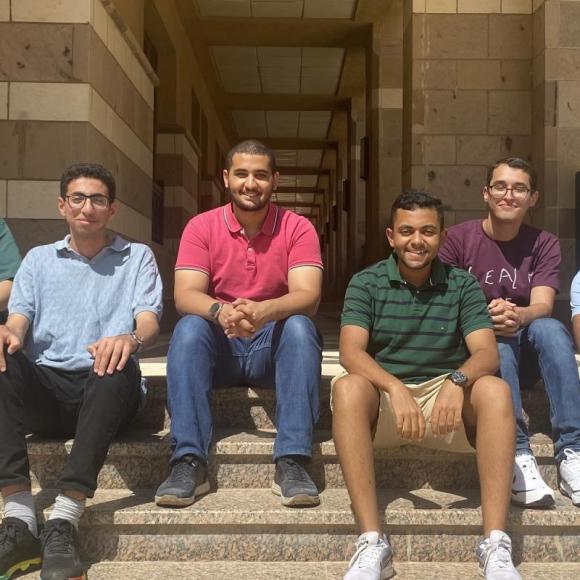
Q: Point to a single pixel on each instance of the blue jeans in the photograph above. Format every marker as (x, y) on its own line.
(284, 355)
(545, 345)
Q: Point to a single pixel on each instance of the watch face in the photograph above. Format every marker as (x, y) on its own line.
(458, 378)
(214, 309)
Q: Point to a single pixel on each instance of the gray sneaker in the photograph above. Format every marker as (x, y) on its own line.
(495, 557)
(187, 480)
(293, 484)
(373, 559)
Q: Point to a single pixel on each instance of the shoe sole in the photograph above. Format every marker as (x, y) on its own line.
(387, 572)
(82, 577)
(567, 491)
(300, 500)
(20, 567)
(175, 501)
(544, 501)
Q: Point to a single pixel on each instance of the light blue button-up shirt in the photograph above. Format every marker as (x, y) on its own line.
(72, 302)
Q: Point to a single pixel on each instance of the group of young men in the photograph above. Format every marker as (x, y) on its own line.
(431, 342)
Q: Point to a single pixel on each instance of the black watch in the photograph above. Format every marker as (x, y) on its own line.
(214, 310)
(459, 379)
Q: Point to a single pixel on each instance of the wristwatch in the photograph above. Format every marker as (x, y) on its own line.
(459, 379)
(214, 310)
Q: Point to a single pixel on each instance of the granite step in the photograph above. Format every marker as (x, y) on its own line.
(254, 408)
(244, 460)
(251, 525)
(226, 570)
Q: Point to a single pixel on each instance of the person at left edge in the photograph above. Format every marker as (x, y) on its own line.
(248, 279)
(9, 263)
(79, 309)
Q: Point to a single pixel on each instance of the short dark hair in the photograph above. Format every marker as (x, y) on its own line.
(413, 199)
(90, 170)
(251, 147)
(515, 163)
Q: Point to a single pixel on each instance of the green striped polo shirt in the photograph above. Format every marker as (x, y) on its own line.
(416, 334)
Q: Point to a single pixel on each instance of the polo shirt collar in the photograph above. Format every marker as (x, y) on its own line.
(268, 227)
(438, 273)
(118, 244)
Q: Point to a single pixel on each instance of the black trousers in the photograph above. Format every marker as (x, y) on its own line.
(55, 403)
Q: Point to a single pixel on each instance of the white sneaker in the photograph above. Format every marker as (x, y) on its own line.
(373, 559)
(570, 476)
(495, 557)
(528, 487)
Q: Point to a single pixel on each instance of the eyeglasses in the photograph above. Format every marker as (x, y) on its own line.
(499, 190)
(78, 200)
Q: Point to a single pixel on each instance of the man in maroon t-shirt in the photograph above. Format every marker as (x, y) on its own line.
(517, 266)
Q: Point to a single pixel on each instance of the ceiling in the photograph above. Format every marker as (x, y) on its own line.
(277, 69)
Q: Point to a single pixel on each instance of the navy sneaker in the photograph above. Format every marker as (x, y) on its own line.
(187, 480)
(293, 484)
(19, 549)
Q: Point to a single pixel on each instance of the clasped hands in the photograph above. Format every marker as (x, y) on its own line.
(243, 318)
(505, 317)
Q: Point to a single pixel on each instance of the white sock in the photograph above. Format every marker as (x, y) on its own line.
(67, 508)
(21, 505)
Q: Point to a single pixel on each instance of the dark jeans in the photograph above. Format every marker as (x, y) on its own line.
(284, 355)
(55, 403)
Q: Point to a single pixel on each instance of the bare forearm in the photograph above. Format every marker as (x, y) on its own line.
(359, 362)
(576, 327)
(5, 288)
(18, 324)
(147, 329)
(296, 302)
(530, 313)
(481, 363)
(194, 302)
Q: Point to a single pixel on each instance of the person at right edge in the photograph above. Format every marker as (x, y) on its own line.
(517, 266)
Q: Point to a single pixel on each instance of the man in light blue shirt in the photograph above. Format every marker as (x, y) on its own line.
(79, 310)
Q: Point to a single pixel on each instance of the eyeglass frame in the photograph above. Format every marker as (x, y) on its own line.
(519, 195)
(91, 197)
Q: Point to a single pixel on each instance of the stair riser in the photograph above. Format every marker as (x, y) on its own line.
(437, 544)
(226, 472)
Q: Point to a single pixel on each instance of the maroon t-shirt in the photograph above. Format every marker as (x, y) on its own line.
(504, 269)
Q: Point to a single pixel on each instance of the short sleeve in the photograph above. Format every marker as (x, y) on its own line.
(9, 254)
(305, 246)
(450, 250)
(474, 314)
(546, 265)
(149, 288)
(193, 251)
(358, 304)
(22, 296)
(575, 295)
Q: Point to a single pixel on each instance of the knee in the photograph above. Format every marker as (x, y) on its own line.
(189, 330)
(352, 393)
(299, 328)
(493, 393)
(549, 333)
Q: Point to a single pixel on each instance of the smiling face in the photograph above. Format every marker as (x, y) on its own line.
(509, 208)
(251, 181)
(89, 220)
(415, 237)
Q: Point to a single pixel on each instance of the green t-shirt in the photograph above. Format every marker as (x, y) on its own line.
(9, 254)
(416, 334)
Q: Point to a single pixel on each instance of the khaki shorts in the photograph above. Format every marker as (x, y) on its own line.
(386, 436)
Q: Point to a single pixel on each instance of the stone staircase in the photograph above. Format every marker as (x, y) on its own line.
(240, 530)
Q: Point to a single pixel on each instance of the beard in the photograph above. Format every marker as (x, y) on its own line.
(258, 205)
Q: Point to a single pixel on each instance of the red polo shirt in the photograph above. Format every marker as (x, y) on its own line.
(256, 269)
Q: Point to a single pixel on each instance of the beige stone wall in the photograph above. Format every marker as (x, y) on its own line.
(470, 95)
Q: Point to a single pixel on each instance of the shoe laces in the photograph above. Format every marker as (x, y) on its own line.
(573, 466)
(367, 555)
(498, 555)
(293, 469)
(182, 471)
(59, 538)
(527, 463)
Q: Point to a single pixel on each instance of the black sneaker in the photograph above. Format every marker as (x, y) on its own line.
(60, 552)
(187, 480)
(19, 549)
(293, 484)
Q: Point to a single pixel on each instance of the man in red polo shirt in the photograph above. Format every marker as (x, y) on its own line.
(247, 280)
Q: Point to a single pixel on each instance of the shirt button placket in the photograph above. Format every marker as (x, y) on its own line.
(250, 257)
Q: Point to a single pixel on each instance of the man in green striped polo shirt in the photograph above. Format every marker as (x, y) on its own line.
(420, 356)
